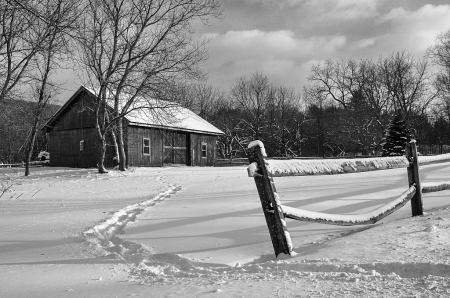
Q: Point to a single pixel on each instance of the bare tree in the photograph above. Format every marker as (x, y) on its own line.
(283, 107)
(357, 89)
(336, 80)
(408, 83)
(440, 55)
(31, 37)
(13, 130)
(440, 52)
(374, 92)
(131, 49)
(370, 92)
(198, 96)
(54, 17)
(252, 96)
(19, 44)
(263, 112)
(207, 99)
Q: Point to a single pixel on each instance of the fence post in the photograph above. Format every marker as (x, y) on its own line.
(413, 178)
(270, 204)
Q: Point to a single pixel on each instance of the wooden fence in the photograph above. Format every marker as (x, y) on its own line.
(263, 170)
(21, 165)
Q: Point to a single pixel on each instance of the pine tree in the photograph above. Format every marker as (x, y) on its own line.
(396, 137)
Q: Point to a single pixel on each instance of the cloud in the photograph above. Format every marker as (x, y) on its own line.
(278, 54)
(344, 10)
(349, 8)
(261, 44)
(415, 30)
(364, 43)
(276, 3)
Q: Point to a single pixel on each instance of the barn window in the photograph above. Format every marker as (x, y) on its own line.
(82, 145)
(146, 146)
(204, 147)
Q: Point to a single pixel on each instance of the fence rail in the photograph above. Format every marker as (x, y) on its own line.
(18, 165)
(263, 171)
(351, 220)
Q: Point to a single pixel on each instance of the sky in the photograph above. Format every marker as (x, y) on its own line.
(283, 39)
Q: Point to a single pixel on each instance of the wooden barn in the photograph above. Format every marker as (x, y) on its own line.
(172, 136)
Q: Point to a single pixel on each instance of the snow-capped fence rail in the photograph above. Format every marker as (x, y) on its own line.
(11, 165)
(263, 171)
(347, 219)
(21, 165)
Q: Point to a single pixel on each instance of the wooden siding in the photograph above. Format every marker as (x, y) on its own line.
(175, 148)
(77, 122)
(196, 141)
(135, 139)
(78, 115)
(167, 147)
(64, 148)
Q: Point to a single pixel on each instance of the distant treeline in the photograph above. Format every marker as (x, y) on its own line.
(15, 125)
(345, 111)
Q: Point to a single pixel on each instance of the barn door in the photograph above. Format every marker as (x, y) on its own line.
(175, 151)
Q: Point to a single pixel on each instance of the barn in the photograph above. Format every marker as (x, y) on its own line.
(171, 136)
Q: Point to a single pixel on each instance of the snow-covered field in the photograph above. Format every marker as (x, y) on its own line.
(200, 232)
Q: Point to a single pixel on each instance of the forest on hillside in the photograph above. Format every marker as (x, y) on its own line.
(15, 128)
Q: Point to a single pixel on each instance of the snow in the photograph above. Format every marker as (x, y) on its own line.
(261, 146)
(346, 219)
(287, 235)
(279, 168)
(162, 114)
(302, 167)
(252, 169)
(423, 160)
(173, 116)
(435, 186)
(200, 232)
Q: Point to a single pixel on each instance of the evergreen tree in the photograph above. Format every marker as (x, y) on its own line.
(396, 137)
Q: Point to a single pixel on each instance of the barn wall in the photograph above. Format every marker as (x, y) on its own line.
(78, 115)
(64, 148)
(136, 157)
(176, 147)
(136, 135)
(77, 123)
(196, 141)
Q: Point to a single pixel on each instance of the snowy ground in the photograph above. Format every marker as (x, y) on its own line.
(200, 232)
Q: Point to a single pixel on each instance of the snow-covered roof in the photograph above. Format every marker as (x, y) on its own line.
(158, 114)
(167, 115)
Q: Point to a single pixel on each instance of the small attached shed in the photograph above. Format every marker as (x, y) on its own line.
(153, 138)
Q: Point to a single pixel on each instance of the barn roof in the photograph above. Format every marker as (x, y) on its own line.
(162, 114)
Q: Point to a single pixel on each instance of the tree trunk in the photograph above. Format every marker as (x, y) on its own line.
(29, 148)
(116, 158)
(116, 149)
(101, 153)
(40, 106)
(100, 125)
(122, 156)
